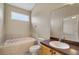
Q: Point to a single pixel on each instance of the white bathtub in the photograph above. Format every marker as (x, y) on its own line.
(16, 46)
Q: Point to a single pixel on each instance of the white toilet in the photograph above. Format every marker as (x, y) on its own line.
(34, 49)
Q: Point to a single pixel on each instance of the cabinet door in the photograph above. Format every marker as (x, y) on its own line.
(44, 50)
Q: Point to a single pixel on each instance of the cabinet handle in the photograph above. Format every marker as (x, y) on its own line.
(54, 52)
(51, 52)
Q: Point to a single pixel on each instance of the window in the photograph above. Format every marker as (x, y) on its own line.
(19, 16)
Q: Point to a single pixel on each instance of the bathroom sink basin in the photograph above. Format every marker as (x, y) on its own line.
(58, 44)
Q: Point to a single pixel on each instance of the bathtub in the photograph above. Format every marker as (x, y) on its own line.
(17, 46)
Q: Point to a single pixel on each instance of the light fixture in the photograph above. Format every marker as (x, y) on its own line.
(73, 17)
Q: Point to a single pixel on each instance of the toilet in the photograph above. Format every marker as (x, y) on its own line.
(35, 49)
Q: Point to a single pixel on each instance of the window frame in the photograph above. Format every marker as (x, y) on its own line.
(20, 14)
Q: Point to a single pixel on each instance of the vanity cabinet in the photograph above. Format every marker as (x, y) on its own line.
(44, 50)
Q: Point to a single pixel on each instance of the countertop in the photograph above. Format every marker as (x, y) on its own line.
(73, 50)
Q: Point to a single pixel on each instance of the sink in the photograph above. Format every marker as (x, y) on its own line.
(58, 44)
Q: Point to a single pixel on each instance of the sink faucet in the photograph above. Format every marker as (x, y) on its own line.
(61, 37)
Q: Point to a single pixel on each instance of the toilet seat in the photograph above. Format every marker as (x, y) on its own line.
(34, 49)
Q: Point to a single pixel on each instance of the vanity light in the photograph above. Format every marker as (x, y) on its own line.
(73, 17)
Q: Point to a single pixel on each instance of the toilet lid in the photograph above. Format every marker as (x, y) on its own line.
(35, 48)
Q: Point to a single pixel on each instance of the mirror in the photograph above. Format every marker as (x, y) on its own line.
(70, 28)
(65, 23)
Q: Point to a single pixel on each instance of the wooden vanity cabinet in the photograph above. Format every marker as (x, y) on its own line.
(44, 50)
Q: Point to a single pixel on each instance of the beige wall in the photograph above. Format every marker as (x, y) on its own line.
(1, 20)
(16, 29)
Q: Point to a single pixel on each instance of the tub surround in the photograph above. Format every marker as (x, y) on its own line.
(17, 46)
(73, 50)
(14, 28)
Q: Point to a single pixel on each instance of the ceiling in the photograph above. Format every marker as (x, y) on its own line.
(30, 6)
(66, 11)
(56, 9)
(27, 6)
